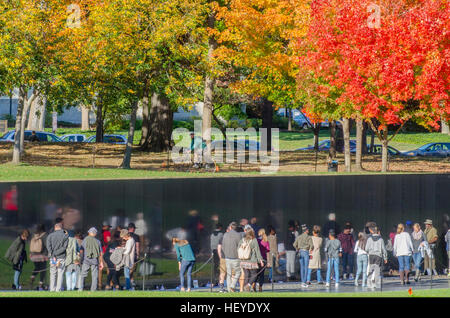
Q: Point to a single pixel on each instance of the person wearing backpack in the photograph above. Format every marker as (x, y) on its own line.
(38, 255)
(250, 256)
(17, 255)
(186, 261)
(73, 267)
(91, 254)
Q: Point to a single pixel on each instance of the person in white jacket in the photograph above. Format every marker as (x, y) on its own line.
(128, 255)
(403, 249)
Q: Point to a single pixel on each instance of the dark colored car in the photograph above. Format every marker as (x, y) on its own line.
(41, 135)
(434, 149)
(110, 139)
(377, 150)
(324, 145)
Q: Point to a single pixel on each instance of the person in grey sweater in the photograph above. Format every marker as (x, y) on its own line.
(333, 250)
(57, 242)
(230, 244)
(376, 250)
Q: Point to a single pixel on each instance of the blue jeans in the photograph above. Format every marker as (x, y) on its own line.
(71, 280)
(16, 278)
(282, 265)
(319, 277)
(347, 261)
(333, 263)
(304, 263)
(417, 258)
(361, 262)
(186, 266)
(403, 263)
(126, 273)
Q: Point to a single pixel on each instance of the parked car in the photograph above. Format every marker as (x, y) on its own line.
(42, 136)
(324, 145)
(73, 138)
(300, 118)
(241, 144)
(110, 139)
(377, 150)
(434, 149)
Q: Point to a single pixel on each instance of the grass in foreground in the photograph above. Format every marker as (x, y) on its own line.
(25, 172)
(102, 294)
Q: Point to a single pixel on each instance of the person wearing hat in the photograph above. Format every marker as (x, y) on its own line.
(92, 256)
(303, 244)
(137, 246)
(431, 236)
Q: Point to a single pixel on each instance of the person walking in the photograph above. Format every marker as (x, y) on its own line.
(304, 244)
(362, 259)
(17, 255)
(39, 256)
(272, 257)
(431, 236)
(222, 266)
(264, 248)
(315, 262)
(92, 256)
(186, 261)
(129, 257)
(417, 239)
(348, 245)
(73, 267)
(215, 238)
(291, 237)
(230, 245)
(56, 244)
(403, 250)
(376, 250)
(333, 250)
(250, 259)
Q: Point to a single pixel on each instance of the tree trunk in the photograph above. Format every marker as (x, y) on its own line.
(127, 156)
(445, 129)
(145, 115)
(316, 131)
(359, 144)
(40, 125)
(384, 153)
(208, 95)
(36, 120)
(26, 109)
(364, 138)
(31, 124)
(332, 151)
(289, 119)
(18, 134)
(347, 156)
(99, 129)
(267, 114)
(160, 125)
(85, 125)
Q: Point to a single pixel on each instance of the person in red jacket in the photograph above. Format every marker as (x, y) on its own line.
(348, 245)
(10, 206)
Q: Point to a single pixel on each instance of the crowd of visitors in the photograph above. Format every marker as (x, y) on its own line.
(64, 252)
(242, 254)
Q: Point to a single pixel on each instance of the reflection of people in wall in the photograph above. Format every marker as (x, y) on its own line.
(141, 231)
(71, 217)
(50, 213)
(195, 229)
(10, 206)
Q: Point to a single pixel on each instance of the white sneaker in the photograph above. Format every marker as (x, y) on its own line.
(336, 285)
(356, 283)
(327, 285)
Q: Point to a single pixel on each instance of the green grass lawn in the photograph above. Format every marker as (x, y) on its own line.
(25, 172)
(416, 293)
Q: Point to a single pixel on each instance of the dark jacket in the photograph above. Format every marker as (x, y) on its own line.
(330, 225)
(16, 251)
(290, 240)
(347, 242)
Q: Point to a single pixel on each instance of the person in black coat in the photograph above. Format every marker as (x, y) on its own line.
(331, 225)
